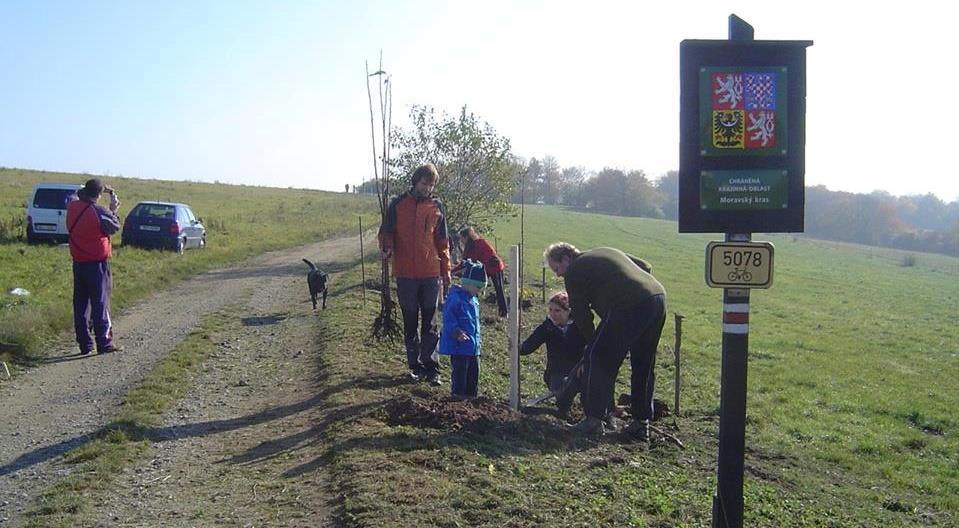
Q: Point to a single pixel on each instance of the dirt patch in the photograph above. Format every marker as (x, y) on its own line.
(477, 415)
(482, 415)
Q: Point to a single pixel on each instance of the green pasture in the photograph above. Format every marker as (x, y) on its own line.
(241, 221)
(853, 385)
(853, 374)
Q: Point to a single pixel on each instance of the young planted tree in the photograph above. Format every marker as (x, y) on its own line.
(385, 326)
(477, 169)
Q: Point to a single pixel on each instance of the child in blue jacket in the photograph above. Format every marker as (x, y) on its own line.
(460, 338)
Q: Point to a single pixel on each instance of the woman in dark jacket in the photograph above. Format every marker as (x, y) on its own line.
(477, 248)
(564, 350)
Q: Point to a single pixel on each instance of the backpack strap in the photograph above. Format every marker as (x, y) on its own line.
(77, 219)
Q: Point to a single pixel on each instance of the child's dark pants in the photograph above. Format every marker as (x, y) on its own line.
(464, 376)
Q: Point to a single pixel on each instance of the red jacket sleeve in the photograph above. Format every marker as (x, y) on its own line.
(487, 255)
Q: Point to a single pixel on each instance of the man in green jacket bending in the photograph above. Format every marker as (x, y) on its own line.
(632, 306)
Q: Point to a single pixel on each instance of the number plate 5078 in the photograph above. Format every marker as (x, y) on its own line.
(739, 264)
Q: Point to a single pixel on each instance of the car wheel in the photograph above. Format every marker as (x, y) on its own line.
(202, 243)
(180, 245)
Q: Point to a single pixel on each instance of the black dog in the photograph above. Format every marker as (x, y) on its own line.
(316, 280)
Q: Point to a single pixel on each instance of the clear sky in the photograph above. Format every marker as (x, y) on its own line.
(273, 92)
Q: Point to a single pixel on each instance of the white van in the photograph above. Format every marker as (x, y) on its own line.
(47, 211)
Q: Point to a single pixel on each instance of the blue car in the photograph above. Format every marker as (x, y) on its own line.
(163, 225)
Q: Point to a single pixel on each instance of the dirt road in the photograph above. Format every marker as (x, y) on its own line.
(252, 388)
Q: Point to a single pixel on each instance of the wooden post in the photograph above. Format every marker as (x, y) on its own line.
(544, 285)
(362, 261)
(512, 323)
(678, 318)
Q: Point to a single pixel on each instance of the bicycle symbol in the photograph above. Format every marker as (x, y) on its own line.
(740, 274)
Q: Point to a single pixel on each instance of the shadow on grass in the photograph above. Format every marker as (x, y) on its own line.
(487, 427)
(313, 436)
(263, 320)
(43, 454)
(138, 432)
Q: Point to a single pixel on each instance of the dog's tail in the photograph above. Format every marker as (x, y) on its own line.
(310, 264)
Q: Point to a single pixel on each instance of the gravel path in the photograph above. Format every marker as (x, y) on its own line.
(59, 405)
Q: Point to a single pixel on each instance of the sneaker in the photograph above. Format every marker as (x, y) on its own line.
(435, 380)
(109, 349)
(590, 426)
(639, 430)
(85, 352)
(415, 374)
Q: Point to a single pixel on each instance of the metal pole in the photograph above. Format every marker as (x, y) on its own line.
(678, 318)
(512, 323)
(728, 502)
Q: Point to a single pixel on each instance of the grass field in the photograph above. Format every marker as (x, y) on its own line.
(853, 386)
(241, 221)
(853, 376)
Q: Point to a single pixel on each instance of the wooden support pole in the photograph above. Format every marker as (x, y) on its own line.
(362, 261)
(544, 285)
(512, 322)
(678, 318)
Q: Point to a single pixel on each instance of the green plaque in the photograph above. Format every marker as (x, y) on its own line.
(743, 190)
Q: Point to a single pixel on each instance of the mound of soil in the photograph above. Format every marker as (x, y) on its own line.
(476, 415)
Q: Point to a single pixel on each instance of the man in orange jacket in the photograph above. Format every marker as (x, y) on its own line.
(90, 226)
(415, 236)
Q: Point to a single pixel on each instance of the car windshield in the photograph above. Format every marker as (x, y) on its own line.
(153, 211)
(52, 198)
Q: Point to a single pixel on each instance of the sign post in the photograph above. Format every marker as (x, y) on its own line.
(728, 501)
(512, 323)
(742, 152)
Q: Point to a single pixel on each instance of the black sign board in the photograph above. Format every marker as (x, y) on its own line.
(742, 136)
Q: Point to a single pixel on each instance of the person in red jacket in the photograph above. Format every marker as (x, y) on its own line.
(415, 236)
(90, 226)
(477, 248)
